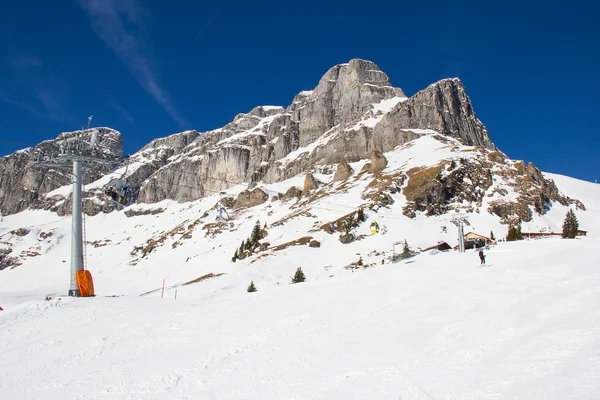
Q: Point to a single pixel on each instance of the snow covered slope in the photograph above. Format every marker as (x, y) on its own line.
(434, 326)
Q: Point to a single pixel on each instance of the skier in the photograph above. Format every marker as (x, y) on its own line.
(482, 257)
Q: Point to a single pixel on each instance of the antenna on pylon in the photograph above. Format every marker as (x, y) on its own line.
(90, 120)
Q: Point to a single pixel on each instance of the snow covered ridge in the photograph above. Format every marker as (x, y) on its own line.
(352, 112)
(421, 184)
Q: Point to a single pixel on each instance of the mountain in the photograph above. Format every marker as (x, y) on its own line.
(353, 111)
(337, 183)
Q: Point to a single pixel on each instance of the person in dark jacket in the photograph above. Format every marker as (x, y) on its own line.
(482, 257)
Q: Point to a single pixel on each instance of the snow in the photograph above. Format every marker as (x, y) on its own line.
(422, 131)
(386, 106)
(433, 327)
(321, 141)
(526, 327)
(269, 108)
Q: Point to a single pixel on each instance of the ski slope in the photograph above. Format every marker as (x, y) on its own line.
(436, 327)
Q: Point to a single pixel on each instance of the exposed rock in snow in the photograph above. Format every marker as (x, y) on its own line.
(378, 162)
(342, 172)
(251, 198)
(310, 183)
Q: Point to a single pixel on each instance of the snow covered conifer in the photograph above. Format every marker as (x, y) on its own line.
(252, 288)
(406, 249)
(492, 235)
(570, 226)
(298, 276)
(235, 256)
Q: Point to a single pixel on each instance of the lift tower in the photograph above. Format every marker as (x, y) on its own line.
(460, 221)
(76, 151)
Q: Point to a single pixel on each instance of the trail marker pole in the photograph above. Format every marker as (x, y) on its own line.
(163, 289)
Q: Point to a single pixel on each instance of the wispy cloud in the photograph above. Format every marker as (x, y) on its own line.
(205, 26)
(21, 105)
(115, 22)
(22, 63)
(54, 103)
(126, 116)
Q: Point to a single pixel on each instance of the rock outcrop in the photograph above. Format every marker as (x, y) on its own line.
(251, 198)
(292, 193)
(22, 183)
(310, 183)
(342, 172)
(353, 113)
(378, 162)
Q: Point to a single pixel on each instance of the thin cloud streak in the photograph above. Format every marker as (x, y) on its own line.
(54, 105)
(110, 21)
(23, 63)
(21, 105)
(124, 113)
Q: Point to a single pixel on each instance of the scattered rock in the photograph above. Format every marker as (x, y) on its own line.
(342, 172)
(149, 211)
(378, 162)
(228, 202)
(45, 235)
(346, 238)
(20, 232)
(252, 198)
(291, 193)
(310, 183)
(314, 243)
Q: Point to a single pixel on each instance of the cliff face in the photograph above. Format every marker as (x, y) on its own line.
(22, 183)
(353, 112)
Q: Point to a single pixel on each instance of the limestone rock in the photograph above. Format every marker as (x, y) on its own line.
(252, 198)
(443, 107)
(22, 184)
(378, 162)
(292, 192)
(342, 172)
(310, 183)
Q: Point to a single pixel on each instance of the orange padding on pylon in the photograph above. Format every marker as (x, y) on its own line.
(85, 283)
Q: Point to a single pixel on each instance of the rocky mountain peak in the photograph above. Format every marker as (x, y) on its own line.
(352, 112)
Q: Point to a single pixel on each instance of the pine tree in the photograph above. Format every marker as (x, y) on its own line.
(298, 276)
(514, 233)
(492, 235)
(256, 234)
(235, 256)
(242, 247)
(570, 226)
(360, 215)
(406, 250)
(252, 288)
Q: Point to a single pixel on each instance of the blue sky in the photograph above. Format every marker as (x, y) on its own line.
(153, 68)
